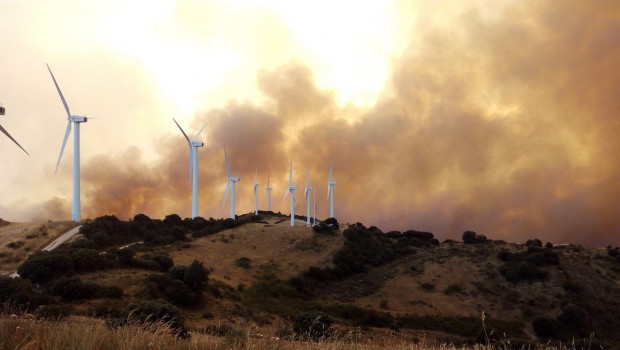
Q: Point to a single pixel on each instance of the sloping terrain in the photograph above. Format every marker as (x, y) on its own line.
(262, 273)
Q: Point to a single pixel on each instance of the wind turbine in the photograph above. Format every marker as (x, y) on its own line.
(232, 180)
(306, 190)
(268, 195)
(256, 192)
(291, 189)
(7, 133)
(330, 191)
(76, 120)
(193, 165)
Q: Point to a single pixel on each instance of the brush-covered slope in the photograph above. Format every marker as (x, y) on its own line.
(260, 271)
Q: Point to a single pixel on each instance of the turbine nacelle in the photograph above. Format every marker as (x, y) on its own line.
(77, 119)
(196, 143)
(234, 179)
(293, 188)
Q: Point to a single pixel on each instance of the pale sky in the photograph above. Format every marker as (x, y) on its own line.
(444, 116)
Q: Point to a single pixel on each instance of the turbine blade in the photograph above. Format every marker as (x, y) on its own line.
(64, 143)
(256, 177)
(308, 179)
(59, 92)
(200, 132)
(329, 187)
(184, 134)
(227, 166)
(285, 195)
(225, 194)
(330, 170)
(267, 182)
(12, 139)
(306, 192)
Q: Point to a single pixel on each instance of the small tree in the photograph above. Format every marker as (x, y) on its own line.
(196, 276)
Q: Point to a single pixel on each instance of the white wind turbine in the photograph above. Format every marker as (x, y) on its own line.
(256, 192)
(193, 165)
(76, 120)
(268, 195)
(307, 189)
(7, 133)
(291, 189)
(230, 180)
(330, 191)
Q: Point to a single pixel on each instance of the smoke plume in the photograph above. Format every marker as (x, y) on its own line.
(507, 127)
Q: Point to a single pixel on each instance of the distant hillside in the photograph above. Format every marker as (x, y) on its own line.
(259, 271)
(3, 222)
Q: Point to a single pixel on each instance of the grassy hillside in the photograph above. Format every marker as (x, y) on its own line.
(258, 275)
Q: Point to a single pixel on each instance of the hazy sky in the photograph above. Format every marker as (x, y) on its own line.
(445, 116)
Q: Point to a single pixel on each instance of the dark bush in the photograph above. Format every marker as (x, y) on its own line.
(19, 292)
(196, 276)
(243, 262)
(181, 294)
(534, 243)
(515, 271)
(312, 325)
(571, 287)
(72, 288)
(43, 266)
(173, 220)
(573, 316)
(332, 222)
(164, 261)
(545, 327)
(471, 237)
(453, 289)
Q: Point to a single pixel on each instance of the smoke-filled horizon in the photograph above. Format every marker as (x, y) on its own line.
(503, 123)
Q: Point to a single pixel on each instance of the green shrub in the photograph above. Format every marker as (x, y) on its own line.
(313, 325)
(243, 262)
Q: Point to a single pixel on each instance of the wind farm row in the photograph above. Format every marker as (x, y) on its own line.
(193, 144)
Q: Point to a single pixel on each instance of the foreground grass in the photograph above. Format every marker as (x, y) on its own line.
(26, 332)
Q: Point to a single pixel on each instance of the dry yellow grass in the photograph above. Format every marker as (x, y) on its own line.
(24, 332)
(291, 249)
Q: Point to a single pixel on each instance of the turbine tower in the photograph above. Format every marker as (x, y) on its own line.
(231, 180)
(7, 133)
(291, 189)
(76, 120)
(314, 218)
(256, 192)
(330, 191)
(268, 195)
(193, 165)
(307, 189)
